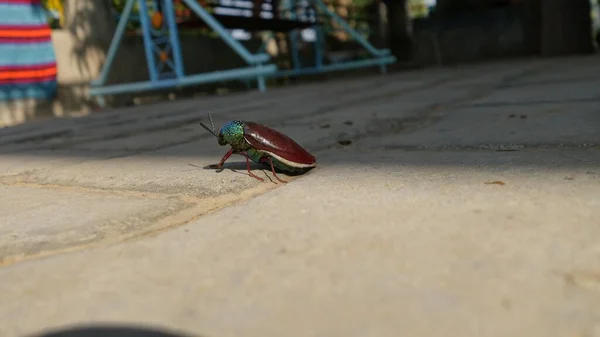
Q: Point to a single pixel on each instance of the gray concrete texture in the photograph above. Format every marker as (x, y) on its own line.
(447, 202)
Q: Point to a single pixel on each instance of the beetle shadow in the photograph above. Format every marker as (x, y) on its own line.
(232, 166)
(240, 167)
(236, 167)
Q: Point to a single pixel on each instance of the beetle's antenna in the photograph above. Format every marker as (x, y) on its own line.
(211, 123)
(211, 130)
(208, 129)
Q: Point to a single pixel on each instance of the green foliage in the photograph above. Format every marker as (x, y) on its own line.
(418, 9)
(362, 3)
(55, 12)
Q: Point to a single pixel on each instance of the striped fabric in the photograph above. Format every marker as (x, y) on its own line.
(27, 59)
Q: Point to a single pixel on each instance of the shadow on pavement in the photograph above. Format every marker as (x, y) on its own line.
(111, 331)
(519, 106)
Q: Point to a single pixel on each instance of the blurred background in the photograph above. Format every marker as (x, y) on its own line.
(418, 33)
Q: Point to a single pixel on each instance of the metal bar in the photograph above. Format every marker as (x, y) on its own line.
(336, 67)
(115, 43)
(161, 39)
(294, 49)
(352, 32)
(167, 62)
(169, 14)
(148, 43)
(294, 38)
(383, 68)
(166, 75)
(262, 86)
(232, 74)
(156, 48)
(319, 46)
(224, 34)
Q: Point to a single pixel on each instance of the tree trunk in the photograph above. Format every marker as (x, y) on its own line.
(566, 27)
(532, 26)
(400, 41)
(378, 12)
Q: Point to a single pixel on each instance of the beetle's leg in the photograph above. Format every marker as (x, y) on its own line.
(225, 157)
(275, 174)
(250, 172)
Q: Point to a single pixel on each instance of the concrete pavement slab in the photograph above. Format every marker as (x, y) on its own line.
(539, 125)
(139, 122)
(30, 161)
(415, 242)
(159, 173)
(571, 91)
(36, 220)
(448, 238)
(566, 69)
(146, 141)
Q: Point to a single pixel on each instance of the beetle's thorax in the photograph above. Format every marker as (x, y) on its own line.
(232, 133)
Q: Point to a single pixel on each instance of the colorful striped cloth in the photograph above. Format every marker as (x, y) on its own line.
(27, 59)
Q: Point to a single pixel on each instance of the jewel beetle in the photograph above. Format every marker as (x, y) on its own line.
(262, 145)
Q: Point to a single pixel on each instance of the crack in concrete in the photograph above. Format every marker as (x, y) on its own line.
(190, 208)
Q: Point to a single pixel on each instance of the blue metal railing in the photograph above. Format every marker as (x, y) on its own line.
(258, 69)
(380, 57)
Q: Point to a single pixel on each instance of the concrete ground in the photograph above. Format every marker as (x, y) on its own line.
(448, 202)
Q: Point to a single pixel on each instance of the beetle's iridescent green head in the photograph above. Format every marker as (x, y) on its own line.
(232, 133)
